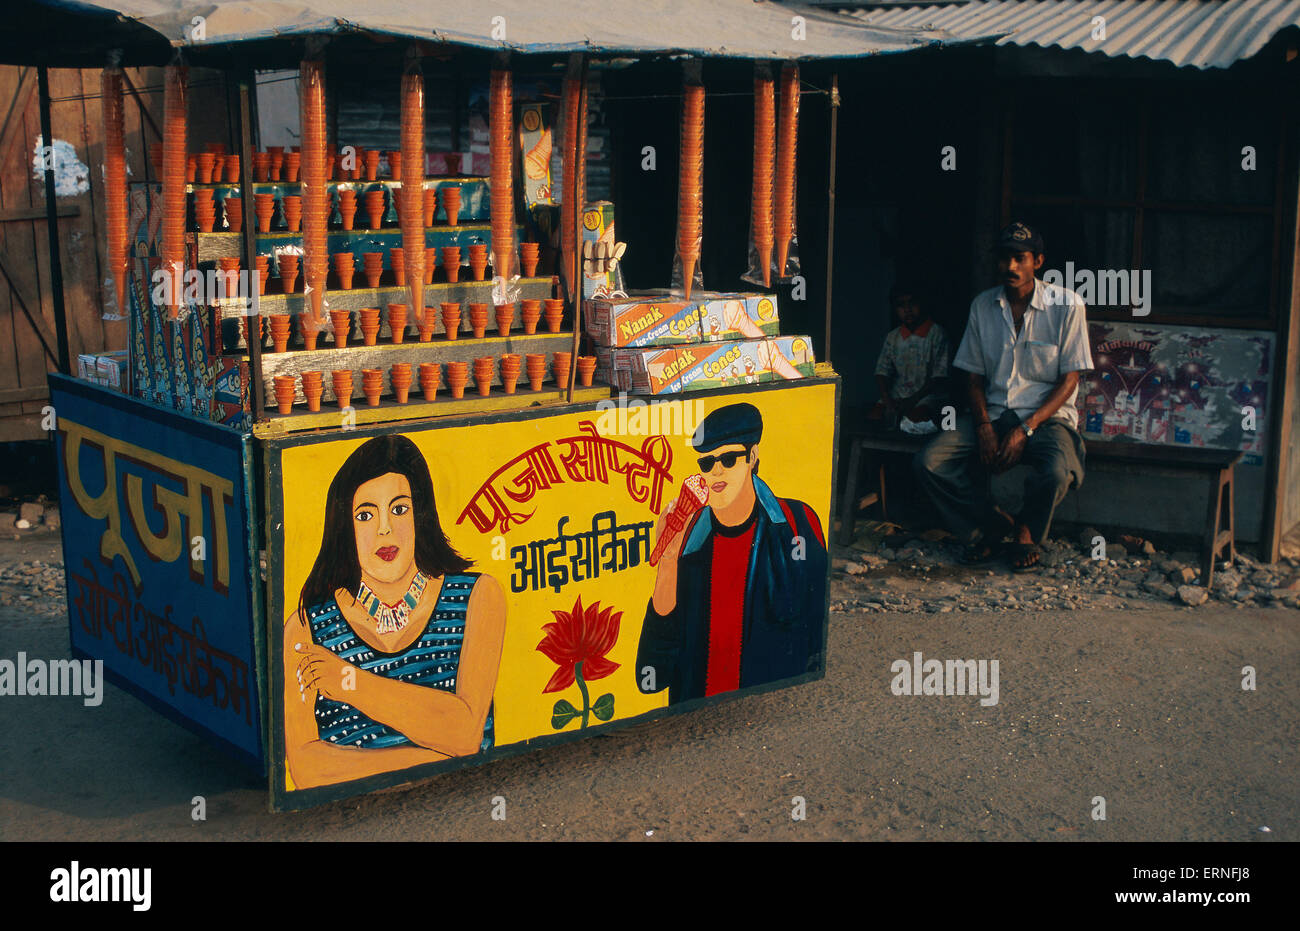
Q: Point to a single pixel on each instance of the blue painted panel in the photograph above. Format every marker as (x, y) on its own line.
(156, 543)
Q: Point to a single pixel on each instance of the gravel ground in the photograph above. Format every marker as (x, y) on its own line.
(1105, 690)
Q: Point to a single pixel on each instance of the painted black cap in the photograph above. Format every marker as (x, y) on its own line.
(735, 423)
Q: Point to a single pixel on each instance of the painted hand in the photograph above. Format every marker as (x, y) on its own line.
(321, 671)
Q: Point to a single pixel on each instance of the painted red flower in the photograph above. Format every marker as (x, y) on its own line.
(583, 635)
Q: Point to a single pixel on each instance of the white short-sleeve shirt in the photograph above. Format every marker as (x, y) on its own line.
(1020, 372)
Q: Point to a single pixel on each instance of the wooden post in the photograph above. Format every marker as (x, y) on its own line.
(256, 391)
(52, 223)
(830, 215)
(579, 194)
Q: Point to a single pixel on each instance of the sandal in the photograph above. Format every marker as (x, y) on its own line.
(1024, 557)
(977, 553)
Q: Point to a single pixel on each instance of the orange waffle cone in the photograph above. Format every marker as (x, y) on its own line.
(342, 379)
(690, 183)
(501, 129)
(411, 202)
(315, 194)
(175, 119)
(397, 321)
(115, 208)
(312, 389)
(284, 393)
(788, 128)
(764, 157)
(399, 376)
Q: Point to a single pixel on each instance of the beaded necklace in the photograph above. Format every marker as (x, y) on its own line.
(392, 618)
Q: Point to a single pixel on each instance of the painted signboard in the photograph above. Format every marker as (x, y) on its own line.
(446, 593)
(158, 557)
(1188, 386)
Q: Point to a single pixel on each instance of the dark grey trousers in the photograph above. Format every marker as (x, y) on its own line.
(950, 472)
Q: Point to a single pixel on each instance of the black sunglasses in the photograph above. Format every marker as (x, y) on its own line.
(727, 459)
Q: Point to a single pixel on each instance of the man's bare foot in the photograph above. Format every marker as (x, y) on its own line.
(1023, 553)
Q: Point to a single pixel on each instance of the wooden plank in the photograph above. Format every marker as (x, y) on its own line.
(416, 408)
(21, 427)
(10, 395)
(25, 240)
(8, 350)
(37, 213)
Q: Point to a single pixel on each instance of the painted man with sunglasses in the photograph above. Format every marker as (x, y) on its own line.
(740, 595)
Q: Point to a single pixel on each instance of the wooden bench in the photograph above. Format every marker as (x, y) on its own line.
(877, 442)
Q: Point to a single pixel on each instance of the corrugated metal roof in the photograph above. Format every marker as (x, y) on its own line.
(752, 29)
(1192, 33)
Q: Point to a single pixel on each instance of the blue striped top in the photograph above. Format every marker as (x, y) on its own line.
(433, 660)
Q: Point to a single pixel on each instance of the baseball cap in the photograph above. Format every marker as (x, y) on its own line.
(1020, 237)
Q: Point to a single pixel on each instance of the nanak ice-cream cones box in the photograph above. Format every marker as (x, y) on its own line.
(736, 362)
(642, 319)
(695, 367)
(655, 370)
(738, 316)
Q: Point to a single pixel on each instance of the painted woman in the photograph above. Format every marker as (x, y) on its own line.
(392, 657)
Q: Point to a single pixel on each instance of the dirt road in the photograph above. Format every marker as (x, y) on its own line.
(1142, 707)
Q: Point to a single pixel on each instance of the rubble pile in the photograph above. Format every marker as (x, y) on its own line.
(923, 573)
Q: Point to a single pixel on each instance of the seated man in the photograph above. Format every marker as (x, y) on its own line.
(1024, 347)
(912, 371)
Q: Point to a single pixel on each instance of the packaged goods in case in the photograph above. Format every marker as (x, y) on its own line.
(645, 318)
(695, 367)
(738, 316)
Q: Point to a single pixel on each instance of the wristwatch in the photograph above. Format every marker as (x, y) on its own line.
(1029, 431)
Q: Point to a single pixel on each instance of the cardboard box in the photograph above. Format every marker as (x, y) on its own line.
(647, 318)
(106, 368)
(699, 366)
(738, 316)
(597, 226)
(654, 370)
(790, 357)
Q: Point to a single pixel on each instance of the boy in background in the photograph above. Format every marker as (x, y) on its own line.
(912, 371)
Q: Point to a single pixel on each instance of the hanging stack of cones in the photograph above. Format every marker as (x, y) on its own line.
(690, 184)
(501, 128)
(788, 135)
(175, 119)
(569, 204)
(115, 180)
(411, 206)
(764, 159)
(315, 198)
